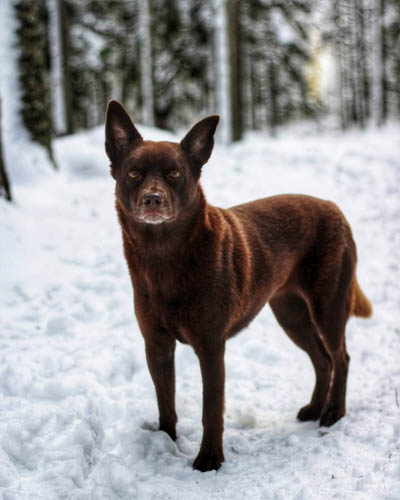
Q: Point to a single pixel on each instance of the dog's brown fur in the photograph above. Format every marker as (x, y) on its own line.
(201, 273)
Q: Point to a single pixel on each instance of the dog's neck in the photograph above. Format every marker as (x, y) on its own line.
(168, 240)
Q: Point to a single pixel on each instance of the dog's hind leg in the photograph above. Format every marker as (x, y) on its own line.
(292, 314)
(330, 305)
(332, 328)
(336, 404)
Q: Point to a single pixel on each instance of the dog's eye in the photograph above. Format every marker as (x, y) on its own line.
(174, 174)
(134, 174)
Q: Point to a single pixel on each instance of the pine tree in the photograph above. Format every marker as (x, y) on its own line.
(275, 37)
(183, 65)
(34, 71)
(167, 56)
(102, 59)
(198, 58)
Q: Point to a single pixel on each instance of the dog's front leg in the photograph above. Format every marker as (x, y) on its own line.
(161, 363)
(211, 359)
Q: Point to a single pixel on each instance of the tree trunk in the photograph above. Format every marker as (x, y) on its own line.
(223, 88)
(146, 61)
(66, 83)
(357, 62)
(343, 53)
(271, 81)
(57, 68)
(384, 48)
(364, 57)
(4, 183)
(378, 88)
(233, 17)
(272, 108)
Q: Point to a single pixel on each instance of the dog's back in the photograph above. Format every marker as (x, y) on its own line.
(286, 244)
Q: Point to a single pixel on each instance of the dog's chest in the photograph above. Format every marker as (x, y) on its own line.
(159, 283)
(167, 291)
(176, 300)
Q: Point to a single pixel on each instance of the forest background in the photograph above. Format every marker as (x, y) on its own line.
(260, 64)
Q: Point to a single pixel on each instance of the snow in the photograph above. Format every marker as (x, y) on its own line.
(78, 413)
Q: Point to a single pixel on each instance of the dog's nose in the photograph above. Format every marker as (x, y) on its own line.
(152, 200)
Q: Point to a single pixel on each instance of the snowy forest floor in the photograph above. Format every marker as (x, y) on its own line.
(78, 414)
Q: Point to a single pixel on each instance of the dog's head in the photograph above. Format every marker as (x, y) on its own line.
(156, 181)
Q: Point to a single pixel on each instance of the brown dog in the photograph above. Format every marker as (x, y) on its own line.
(200, 273)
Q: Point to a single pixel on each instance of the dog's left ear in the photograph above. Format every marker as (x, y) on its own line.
(121, 133)
(199, 141)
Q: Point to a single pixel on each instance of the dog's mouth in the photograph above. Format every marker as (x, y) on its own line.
(154, 218)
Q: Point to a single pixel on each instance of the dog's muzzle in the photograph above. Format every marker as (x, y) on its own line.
(154, 208)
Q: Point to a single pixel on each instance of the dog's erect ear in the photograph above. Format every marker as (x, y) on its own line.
(121, 133)
(199, 141)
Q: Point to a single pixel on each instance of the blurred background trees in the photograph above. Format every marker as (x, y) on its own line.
(259, 63)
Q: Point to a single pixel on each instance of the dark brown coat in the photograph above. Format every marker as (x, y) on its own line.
(201, 273)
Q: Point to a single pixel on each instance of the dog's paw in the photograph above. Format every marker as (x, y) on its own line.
(309, 412)
(171, 431)
(208, 461)
(331, 415)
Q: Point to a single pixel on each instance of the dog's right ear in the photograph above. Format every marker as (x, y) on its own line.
(199, 141)
(121, 133)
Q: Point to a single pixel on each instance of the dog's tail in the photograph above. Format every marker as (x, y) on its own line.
(360, 305)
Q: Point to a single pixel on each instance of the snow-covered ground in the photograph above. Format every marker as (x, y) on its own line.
(78, 412)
